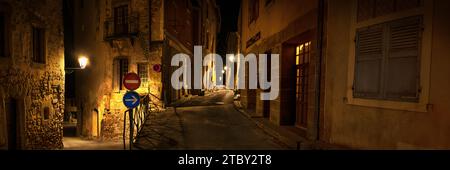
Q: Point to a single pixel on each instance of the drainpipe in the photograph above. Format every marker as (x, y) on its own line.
(150, 18)
(98, 123)
(149, 46)
(318, 76)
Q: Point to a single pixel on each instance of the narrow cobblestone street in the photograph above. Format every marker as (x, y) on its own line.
(204, 122)
(77, 143)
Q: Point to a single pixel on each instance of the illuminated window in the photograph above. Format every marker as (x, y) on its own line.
(302, 57)
(303, 53)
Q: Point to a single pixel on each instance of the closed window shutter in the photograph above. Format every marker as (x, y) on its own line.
(368, 65)
(116, 75)
(123, 70)
(402, 71)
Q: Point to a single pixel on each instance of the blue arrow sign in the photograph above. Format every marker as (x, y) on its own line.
(131, 99)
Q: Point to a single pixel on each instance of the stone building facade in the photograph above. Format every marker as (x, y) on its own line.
(140, 36)
(185, 24)
(112, 34)
(31, 74)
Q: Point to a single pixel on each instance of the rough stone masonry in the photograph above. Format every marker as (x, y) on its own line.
(37, 89)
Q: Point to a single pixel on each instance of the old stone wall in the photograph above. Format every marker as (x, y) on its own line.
(97, 85)
(38, 89)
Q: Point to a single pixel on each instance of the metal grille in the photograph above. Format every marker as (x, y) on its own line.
(143, 74)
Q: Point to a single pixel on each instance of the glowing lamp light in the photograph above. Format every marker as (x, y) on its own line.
(83, 61)
(232, 58)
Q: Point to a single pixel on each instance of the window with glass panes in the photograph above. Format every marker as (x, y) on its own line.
(302, 58)
(143, 74)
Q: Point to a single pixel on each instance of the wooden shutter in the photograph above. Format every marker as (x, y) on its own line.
(123, 71)
(39, 45)
(121, 19)
(368, 65)
(42, 47)
(402, 70)
(116, 75)
(35, 47)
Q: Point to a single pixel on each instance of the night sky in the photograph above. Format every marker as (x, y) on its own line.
(229, 11)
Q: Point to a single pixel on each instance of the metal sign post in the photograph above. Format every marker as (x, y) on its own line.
(124, 130)
(131, 100)
(131, 129)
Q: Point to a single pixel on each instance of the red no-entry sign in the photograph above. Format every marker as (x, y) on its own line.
(132, 81)
(157, 68)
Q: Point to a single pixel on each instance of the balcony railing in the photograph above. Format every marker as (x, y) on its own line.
(127, 27)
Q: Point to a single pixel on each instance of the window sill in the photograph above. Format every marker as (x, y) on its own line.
(393, 105)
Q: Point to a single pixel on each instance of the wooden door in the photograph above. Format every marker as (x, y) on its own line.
(13, 123)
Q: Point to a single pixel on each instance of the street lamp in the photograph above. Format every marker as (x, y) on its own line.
(83, 61)
(232, 59)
